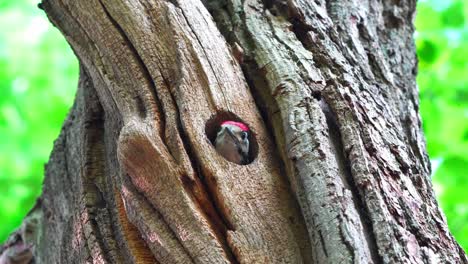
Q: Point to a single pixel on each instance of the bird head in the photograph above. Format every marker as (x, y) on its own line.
(232, 142)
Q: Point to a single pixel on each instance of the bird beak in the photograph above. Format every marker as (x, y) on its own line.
(233, 137)
(229, 131)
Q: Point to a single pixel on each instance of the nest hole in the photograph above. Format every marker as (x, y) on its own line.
(213, 125)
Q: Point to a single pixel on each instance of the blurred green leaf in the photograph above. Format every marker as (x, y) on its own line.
(453, 16)
(442, 46)
(38, 76)
(452, 194)
(427, 51)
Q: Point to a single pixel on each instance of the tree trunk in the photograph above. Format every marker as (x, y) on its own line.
(340, 171)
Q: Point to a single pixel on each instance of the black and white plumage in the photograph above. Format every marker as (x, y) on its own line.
(232, 142)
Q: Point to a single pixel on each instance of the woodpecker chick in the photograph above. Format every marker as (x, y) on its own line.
(232, 142)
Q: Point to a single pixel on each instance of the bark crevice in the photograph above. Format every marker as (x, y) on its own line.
(206, 200)
(346, 175)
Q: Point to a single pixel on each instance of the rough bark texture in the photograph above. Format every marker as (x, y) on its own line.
(340, 172)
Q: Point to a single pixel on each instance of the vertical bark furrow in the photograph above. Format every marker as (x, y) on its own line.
(121, 95)
(383, 148)
(147, 100)
(197, 48)
(385, 178)
(155, 175)
(344, 166)
(76, 218)
(180, 148)
(291, 74)
(139, 249)
(152, 227)
(123, 73)
(91, 182)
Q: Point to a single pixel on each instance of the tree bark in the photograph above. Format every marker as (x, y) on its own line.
(340, 171)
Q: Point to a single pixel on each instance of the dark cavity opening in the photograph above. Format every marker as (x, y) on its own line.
(213, 125)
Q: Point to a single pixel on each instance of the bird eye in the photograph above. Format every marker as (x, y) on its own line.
(244, 135)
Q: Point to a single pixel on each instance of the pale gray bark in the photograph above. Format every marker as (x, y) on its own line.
(340, 175)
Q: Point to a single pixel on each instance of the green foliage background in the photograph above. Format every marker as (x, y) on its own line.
(38, 79)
